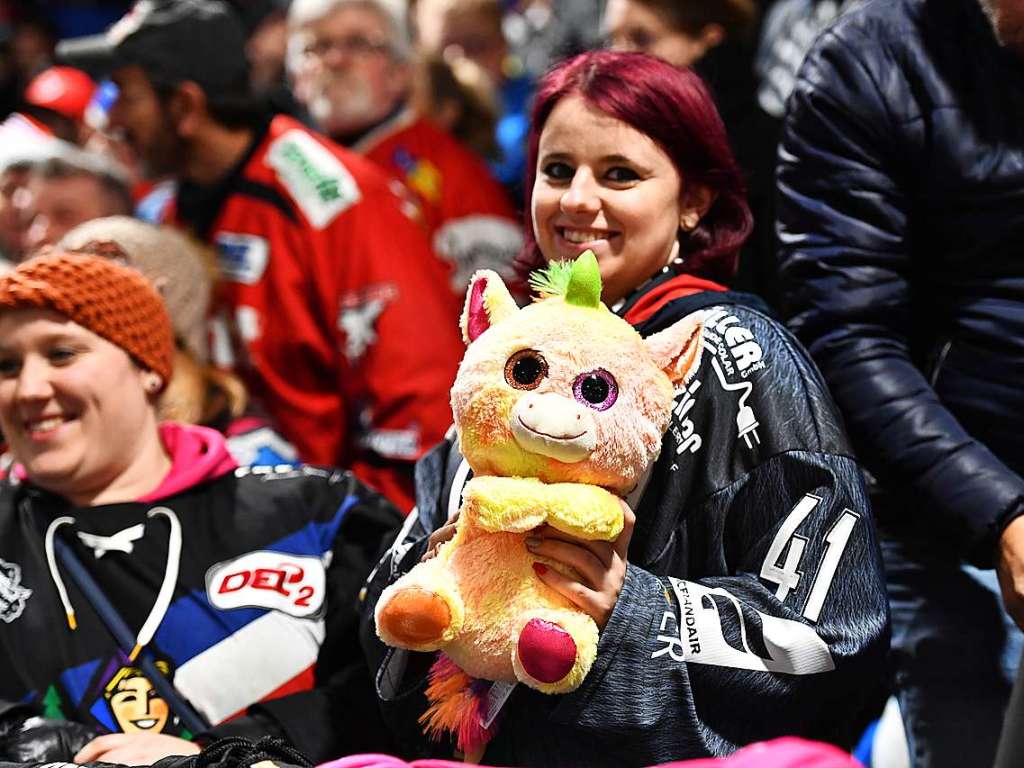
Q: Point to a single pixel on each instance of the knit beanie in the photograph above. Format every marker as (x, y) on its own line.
(110, 299)
(174, 263)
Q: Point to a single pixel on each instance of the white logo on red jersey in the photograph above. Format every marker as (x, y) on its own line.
(313, 175)
(471, 243)
(357, 317)
(292, 584)
(242, 258)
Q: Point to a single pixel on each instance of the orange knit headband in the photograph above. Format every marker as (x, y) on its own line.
(111, 300)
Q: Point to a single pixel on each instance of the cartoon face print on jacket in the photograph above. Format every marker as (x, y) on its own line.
(136, 705)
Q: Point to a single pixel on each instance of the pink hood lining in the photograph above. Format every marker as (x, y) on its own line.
(197, 454)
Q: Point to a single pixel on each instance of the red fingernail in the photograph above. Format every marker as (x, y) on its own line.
(540, 568)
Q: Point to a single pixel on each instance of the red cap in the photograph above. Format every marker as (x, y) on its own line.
(64, 90)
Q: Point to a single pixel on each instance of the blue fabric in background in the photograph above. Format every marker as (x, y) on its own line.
(74, 19)
(863, 749)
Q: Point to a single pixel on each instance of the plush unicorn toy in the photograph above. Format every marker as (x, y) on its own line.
(560, 408)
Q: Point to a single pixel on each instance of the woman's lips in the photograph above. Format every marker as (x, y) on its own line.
(575, 239)
(45, 428)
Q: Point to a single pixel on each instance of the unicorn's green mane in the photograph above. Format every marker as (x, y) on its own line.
(579, 281)
(552, 280)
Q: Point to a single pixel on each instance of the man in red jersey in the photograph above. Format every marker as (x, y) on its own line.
(333, 306)
(350, 62)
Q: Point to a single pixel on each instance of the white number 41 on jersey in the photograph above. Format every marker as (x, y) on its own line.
(782, 567)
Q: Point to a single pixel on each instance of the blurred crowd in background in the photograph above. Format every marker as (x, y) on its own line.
(198, 140)
(467, 66)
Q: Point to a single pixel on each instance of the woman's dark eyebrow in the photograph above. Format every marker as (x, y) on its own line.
(56, 337)
(562, 156)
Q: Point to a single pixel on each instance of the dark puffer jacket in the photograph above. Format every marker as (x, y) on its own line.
(901, 220)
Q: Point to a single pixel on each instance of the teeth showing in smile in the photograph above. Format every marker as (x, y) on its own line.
(582, 235)
(46, 424)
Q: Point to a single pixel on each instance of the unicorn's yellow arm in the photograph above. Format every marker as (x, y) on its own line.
(519, 504)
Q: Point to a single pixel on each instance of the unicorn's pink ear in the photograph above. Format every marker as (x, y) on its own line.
(487, 302)
(677, 349)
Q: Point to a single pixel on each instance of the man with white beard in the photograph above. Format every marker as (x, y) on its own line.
(351, 65)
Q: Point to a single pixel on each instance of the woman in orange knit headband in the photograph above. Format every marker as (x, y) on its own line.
(134, 544)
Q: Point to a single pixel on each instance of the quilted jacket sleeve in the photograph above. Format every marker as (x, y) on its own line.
(847, 251)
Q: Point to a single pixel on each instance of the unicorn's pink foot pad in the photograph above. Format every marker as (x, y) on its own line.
(546, 651)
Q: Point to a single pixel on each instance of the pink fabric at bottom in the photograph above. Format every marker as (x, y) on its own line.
(385, 761)
(787, 752)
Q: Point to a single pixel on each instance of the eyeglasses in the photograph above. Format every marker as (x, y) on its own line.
(348, 45)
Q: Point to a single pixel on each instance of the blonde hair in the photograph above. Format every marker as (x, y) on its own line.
(183, 270)
(199, 393)
(127, 673)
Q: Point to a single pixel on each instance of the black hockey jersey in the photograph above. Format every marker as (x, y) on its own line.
(753, 604)
(258, 628)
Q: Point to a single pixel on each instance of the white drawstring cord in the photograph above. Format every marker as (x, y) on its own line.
(51, 561)
(163, 598)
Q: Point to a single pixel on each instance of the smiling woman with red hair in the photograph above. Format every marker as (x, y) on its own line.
(744, 600)
(673, 109)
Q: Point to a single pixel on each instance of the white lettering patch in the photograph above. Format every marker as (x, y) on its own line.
(242, 258)
(683, 430)
(722, 330)
(735, 354)
(292, 584)
(714, 628)
(316, 179)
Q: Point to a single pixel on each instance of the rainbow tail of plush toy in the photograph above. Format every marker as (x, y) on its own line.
(458, 706)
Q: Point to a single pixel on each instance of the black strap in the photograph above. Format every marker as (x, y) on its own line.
(122, 635)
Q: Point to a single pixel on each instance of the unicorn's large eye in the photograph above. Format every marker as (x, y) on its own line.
(597, 389)
(526, 369)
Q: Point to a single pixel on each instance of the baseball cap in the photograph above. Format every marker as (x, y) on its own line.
(62, 89)
(173, 41)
